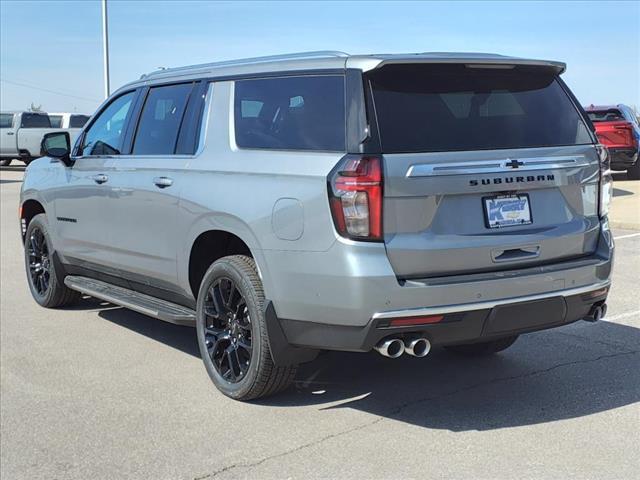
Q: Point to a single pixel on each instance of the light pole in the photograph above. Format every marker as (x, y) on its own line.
(105, 47)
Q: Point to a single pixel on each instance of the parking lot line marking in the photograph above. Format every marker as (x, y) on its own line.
(622, 315)
(626, 236)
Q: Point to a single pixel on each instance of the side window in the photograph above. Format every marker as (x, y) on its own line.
(78, 121)
(160, 120)
(35, 120)
(105, 135)
(6, 120)
(56, 121)
(291, 113)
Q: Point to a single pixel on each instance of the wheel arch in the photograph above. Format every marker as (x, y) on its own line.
(29, 209)
(210, 245)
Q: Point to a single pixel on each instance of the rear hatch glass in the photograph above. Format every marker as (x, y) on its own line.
(453, 107)
(485, 169)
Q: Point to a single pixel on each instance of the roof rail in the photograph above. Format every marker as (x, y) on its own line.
(244, 61)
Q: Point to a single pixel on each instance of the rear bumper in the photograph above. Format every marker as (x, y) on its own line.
(623, 158)
(460, 323)
(342, 299)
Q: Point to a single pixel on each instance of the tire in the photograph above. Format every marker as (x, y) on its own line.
(484, 348)
(229, 341)
(5, 162)
(633, 173)
(41, 271)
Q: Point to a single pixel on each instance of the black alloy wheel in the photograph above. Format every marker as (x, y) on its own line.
(227, 330)
(39, 261)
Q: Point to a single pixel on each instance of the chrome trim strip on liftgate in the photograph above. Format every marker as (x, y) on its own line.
(497, 166)
(466, 307)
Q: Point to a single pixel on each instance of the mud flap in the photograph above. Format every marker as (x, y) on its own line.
(282, 352)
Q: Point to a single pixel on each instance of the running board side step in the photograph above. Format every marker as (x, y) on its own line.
(139, 302)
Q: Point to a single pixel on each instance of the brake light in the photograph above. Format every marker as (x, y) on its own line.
(606, 181)
(355, 197)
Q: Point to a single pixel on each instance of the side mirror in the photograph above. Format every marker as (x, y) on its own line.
(57, 145)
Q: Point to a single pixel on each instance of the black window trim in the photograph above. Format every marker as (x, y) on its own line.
(143, 89)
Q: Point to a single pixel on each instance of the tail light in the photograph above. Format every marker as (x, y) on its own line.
(606, 181)
(355, 197)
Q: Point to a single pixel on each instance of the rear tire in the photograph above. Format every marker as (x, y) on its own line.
(633, 173)
(41, 270)
(5, 162)
(232, 332)
(484, 348)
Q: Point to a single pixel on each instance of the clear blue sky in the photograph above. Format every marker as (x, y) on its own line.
(57, 46)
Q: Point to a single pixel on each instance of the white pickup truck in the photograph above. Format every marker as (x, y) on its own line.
(21, 135)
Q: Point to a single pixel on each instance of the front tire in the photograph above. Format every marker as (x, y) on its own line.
(41, 271)
(232, 333)
(483, 348)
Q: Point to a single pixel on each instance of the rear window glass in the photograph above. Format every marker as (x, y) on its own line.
(78, 121)
(610, 115)
(291, 113)
(161, 118)
(35, 120)
(427, 108)
(6, 120)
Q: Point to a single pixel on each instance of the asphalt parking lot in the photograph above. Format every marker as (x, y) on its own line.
(97, 391)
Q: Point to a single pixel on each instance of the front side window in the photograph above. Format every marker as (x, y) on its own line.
(432, 108)
(291, 113)
(105, 135)
(161, 119)
(78, 121)
(56, 121)
(6, 120)
(35, 120)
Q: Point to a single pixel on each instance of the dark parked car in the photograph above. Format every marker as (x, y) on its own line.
(618, 129)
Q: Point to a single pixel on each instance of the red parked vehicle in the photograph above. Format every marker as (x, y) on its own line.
(617, 128)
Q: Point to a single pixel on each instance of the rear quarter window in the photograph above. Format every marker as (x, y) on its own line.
(35, 120)
(290, 113)
(426, 108)
(78, 121)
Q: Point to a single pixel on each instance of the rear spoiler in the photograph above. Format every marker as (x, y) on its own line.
(372, 62)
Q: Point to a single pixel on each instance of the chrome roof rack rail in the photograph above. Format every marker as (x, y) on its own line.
(246, 61)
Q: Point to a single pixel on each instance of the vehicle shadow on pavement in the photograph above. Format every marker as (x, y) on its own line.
(547, 376)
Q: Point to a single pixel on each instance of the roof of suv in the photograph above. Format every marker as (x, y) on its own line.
(328, 60)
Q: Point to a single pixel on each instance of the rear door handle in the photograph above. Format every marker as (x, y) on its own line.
(100, 178)
(10, 133)
(163, 182)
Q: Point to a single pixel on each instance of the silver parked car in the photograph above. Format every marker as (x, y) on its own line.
(321, 201)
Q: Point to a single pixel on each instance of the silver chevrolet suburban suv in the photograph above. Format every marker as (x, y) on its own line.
(321, 201)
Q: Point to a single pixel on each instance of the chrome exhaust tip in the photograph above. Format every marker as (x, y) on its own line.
(418, 347)
(390, 348)
(597, 312)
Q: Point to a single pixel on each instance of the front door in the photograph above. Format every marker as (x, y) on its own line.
(83, 205)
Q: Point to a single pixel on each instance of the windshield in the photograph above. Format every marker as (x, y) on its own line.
(426, 108)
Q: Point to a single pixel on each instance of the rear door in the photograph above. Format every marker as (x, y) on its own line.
(485, 169)
(146, 185)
